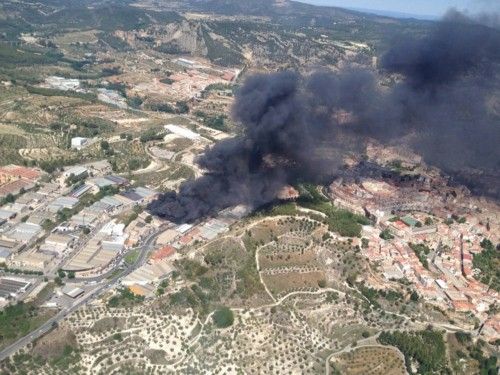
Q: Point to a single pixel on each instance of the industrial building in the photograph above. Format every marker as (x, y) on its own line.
(101, 182)
(24, 232)
(6, 214)
(15, 179)
(11, 173)
(62, 203)
(138, 195)
(58, 242)
(47, 188)
(76, 171)
(151, 272)
(12, 287)
(8, 245)
(31, 261)
(91, 256)
(17, 207)
(163, 253)
(72, 291)
(213, 228)
(100, 251)
(40, 216)
(15, 187)
(80, 191)
(167, 237)
(30, 198)
(137, 231)
(85, 217)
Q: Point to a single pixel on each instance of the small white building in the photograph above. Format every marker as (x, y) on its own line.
(442, 284)
(78, 142)
(113, 228)
(181, 131)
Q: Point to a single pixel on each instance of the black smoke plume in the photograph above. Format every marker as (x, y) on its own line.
(444, 104)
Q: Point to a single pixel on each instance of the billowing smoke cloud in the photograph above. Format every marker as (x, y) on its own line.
(300, 127)
(459, 46)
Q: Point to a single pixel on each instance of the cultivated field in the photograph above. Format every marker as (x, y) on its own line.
(370, 360)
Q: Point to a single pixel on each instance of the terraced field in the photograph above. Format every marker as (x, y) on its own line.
(370, 360)
(288, 262)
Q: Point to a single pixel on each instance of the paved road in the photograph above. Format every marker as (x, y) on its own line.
(99, 289)
(143, 252)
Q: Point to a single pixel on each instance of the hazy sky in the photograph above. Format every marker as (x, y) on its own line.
(417, 7)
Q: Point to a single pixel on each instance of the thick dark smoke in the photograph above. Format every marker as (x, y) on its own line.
(445, 105)
(459, 46)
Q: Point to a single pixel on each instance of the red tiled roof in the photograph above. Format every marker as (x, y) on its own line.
(462, 305)
(21, 172)
(163, 253)
(13, 187)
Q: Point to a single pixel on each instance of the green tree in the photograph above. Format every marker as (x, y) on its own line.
(223, 317)
(182, 106)
(414, 296)
(364, 243)
(48, 225)
(134, 102)
(104, 145)
(386, 235)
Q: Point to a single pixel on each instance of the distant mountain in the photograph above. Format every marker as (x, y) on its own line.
(265, 33)
(387, 13)
(274, 8)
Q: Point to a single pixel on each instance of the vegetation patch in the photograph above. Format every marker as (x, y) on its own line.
(341, 221)
(223, 317)
(132, 256)
(421, 251)
(124, 298)
(18, 320)
(488, 262)
(9, 148)
(424, 348)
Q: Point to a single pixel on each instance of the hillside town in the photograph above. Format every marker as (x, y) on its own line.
(247, 187)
